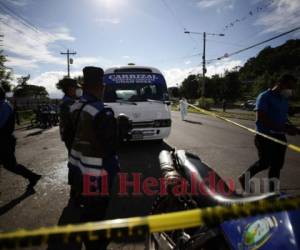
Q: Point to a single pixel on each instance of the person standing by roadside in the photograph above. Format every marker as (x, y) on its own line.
(183, 106)
(8, 143)
(272, 119)
(224, 105)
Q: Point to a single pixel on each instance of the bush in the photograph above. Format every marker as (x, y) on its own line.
(205, 103)
(25, 116)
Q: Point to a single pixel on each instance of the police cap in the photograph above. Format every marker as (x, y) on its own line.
(92, 75)
(69, 82)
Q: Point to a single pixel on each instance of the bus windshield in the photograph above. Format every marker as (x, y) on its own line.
(134, 89)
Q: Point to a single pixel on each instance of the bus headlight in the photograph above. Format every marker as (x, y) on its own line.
(162, 123)
(156, 123)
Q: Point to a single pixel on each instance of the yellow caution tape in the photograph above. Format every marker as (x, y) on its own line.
(138, 227)
(288, 145)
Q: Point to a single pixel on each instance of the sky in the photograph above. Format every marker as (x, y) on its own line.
(109, 33)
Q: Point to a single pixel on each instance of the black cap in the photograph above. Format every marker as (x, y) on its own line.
(92, 75)
(69, 82)
(288, 80)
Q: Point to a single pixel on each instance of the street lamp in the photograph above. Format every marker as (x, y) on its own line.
(203, 56)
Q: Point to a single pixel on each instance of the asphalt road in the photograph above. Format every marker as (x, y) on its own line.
(228, 149)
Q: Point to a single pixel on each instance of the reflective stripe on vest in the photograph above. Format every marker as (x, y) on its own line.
(93, 161)
(91, 110)
(85, 170)
(75, 106)
(88, 108)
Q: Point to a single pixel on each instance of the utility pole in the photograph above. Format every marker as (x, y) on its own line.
(1, 36)
(203, 56)
(68, 53)
(203, 65)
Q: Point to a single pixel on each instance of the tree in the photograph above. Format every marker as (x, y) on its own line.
(23, 89)
(5, 75)
(174, 92)
(190, 87)
(270, 63)
(214, 87)
(232, 86)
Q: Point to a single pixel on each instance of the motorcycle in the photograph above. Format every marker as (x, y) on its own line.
(280, 230)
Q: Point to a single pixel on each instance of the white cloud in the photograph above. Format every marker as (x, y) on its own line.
(108, 20)
(187, 62)
(283, 16)
(219, 4)
(31, 45)
(221, 66)
(49, 80)
(177, 75)
(80, 62)
(21, 62)
(173, 76)
(20, 3)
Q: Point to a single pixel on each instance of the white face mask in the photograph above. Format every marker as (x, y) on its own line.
(79, 92)
(286, 93)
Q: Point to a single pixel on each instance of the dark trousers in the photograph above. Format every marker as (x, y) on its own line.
(12, 166)
(9, 162)
(94, 211)
(271, 156)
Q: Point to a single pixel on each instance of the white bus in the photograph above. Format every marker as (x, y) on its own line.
(141, 94)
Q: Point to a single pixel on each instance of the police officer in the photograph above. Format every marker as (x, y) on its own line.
(69, 87)
(93, 156)
(8, 143)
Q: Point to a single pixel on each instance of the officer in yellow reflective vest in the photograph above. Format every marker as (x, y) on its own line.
(93, 162)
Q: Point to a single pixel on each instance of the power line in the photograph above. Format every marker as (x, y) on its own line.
(176, 58)
(257, 44)
(19, 17)
(178, 21)
(242, 50)
(26, 23)
(252, 12)
(227, 43)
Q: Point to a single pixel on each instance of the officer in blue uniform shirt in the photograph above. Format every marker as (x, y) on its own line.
(8, 143)
(272, 119)
(93, 160)
(69, 87)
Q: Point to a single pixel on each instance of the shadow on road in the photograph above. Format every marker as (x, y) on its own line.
(135, 157)
(35, 133)
(193, 122)
(140, 158)
(4, 209)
